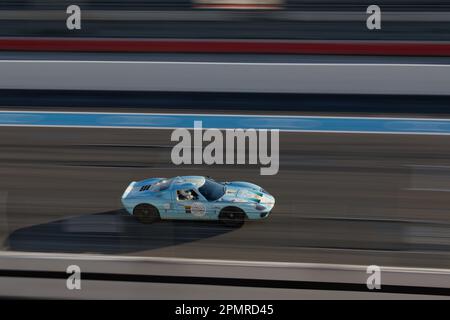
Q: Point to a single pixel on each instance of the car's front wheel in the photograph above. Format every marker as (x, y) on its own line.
(232, 217)
(146, 213)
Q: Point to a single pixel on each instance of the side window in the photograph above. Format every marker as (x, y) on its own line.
(184, 195)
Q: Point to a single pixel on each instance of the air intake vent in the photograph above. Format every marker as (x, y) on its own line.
(145, 188)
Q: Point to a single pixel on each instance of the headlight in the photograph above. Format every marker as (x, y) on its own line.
(260, 207)
(128, 190)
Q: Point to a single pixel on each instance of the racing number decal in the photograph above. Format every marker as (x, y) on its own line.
(196, 209)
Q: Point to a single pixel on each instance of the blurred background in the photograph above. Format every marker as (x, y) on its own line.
(223, 19)
(346, 195)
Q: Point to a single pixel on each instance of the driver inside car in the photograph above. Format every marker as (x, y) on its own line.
(185, 195)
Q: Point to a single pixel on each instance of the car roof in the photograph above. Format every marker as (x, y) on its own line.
(188, 182)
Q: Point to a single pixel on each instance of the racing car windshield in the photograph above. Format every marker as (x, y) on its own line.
(212, 190)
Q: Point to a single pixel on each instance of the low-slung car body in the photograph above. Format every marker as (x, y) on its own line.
(197, 198)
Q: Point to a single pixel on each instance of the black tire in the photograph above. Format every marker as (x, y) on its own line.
(232, 217)
(146, 213)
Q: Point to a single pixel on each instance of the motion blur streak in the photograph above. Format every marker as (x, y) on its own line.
(346, 199)
(350, 191)
(261, 77)
(181, 20)
(289, 123)
(383, 48)
(160, 278)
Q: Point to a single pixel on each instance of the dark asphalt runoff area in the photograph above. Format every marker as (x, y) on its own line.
(341, 198)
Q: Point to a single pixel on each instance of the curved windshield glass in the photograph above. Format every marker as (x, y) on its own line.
(212, 190)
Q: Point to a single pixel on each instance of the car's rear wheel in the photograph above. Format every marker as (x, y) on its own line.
(146, 213)
(232, 217)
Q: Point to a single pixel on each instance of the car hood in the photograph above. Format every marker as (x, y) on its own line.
(253, 193)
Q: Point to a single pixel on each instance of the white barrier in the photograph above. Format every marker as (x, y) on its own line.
(344, 78)
(166, 268)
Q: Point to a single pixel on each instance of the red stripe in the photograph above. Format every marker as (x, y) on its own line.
(226, 46)
(236, 6)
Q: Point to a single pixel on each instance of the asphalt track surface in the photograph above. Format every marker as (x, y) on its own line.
(341, 198)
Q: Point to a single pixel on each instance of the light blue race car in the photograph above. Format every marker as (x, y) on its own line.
(197, 198)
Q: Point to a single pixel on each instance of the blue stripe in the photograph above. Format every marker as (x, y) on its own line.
(294, 123)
